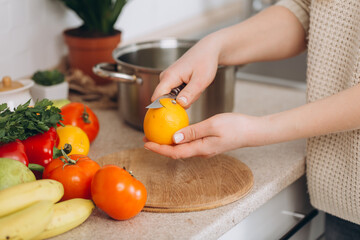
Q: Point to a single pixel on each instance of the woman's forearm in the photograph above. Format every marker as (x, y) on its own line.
(273, 34)
(337, 113)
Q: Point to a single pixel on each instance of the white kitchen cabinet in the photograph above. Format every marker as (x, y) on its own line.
(280, 214)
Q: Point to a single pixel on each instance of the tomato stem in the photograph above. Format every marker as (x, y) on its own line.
(58, 153)
(85, 116)
(130, 172)
(66, 160)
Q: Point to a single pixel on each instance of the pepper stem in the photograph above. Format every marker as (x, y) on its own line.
(36, 167)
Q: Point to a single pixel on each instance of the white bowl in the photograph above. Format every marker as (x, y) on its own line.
(58, 91)
(18, 96)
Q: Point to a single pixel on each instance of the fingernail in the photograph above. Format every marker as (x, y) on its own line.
(178, 137)
(182, 100)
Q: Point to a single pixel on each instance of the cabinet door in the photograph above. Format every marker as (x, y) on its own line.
(279, 215)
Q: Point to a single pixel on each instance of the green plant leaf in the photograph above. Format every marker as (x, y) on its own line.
(48, 78)
(117, 8)
(97, 15)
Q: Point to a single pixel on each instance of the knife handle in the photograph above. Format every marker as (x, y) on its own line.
(176, 91)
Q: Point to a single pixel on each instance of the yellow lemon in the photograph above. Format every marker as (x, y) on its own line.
(76, 137)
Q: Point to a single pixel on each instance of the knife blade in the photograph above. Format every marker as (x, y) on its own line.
(173, 94)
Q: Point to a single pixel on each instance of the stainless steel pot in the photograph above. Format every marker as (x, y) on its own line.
(137, 71)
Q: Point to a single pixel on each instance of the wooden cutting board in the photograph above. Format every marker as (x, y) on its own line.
(185, 185)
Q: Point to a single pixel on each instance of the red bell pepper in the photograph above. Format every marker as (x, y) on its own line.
(55, 136)
(40, 147)
(14, 150)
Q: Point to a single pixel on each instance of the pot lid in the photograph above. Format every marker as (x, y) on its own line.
(7, 84)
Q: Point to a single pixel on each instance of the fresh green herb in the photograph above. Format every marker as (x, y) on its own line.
(48, 78)
(97, 15)
(27, 121)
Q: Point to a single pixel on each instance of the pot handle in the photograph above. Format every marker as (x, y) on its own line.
(103, 70)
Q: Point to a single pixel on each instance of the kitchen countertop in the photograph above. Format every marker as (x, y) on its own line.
(274, 168)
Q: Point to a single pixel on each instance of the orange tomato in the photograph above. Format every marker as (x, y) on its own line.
(160, 124)
(117, 192)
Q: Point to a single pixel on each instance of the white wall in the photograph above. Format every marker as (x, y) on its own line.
(31, 30)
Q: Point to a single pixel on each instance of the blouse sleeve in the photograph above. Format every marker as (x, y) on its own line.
(300, 8)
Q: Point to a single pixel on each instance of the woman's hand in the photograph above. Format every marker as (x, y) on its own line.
(197, 68)
(220, 133)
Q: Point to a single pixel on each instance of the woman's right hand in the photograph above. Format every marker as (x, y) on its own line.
(197, 68)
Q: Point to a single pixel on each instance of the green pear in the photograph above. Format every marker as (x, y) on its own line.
(13, 172)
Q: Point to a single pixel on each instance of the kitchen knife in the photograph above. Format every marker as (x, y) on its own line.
(173, 94)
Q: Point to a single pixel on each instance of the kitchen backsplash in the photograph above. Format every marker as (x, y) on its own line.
(31, 30)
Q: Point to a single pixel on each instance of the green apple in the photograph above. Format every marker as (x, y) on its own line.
(13, 172)
(60, 102)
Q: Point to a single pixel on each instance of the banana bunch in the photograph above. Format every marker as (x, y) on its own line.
(30, 211)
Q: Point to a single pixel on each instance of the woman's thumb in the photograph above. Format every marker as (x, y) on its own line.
(190, 133)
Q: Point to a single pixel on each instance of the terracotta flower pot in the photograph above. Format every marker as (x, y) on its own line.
(86, 51)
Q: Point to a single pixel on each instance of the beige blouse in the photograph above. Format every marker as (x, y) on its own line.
(333, 160)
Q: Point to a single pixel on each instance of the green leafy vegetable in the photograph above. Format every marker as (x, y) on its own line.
(97, 15)
(27, 121)
(48, 78)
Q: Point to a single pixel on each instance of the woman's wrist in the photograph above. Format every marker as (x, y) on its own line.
(265, 130)
(214, 44)
(251, 131)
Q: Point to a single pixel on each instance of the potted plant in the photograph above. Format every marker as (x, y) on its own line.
(96, 38)
(50, 85)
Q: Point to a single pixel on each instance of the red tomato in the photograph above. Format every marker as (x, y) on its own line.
(117, 192)
(75, 175)
(80, 115)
